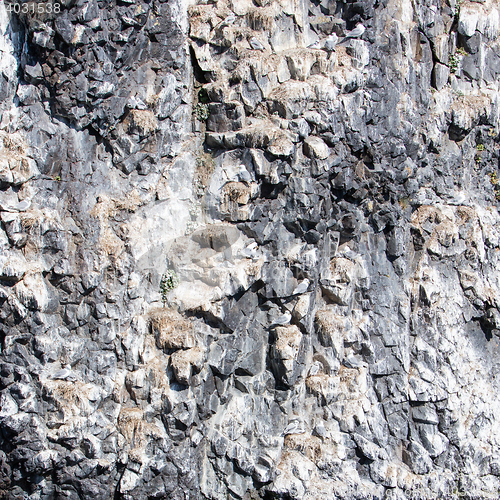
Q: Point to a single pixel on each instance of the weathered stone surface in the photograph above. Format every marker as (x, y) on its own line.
(225, 117)
(249, 250)
(440, 74)
(314, 147)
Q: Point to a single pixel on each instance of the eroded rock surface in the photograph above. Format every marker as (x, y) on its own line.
(250, 250)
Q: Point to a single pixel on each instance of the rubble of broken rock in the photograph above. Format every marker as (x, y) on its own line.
(326, 198)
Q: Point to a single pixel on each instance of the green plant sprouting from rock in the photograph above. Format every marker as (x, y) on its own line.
(168, 282)
(454, 59)
(496, 186)
(202, 112)
(453, 63)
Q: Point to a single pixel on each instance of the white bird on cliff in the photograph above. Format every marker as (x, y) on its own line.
(65, 374)
(284, 319)
(331, 42)
(23, 205)
(250, 251)
(135, 102)
(315, 45)
(295, 427)
(316, 368)
(255, 44)
(302, 287)
(356, 32)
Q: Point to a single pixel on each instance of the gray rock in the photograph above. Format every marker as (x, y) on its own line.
(396, 242)
(251, 95)
(314, 147)
(440, 75)
(358, 203)
(300, 126)
(225, 117)
(470, 67)
(33, 73)
(417, 458)
(64, 28)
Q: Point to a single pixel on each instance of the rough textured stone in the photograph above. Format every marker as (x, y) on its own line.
(245, 253)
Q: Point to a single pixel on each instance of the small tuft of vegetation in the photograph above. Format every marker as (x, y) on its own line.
(454, 59)
(404, 203)
(453, 63)
(168, 282)
(480, 147)
(496, 186)
(152, 100)
(194, 212)
(202, 112)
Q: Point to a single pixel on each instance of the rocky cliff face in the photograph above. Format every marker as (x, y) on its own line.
(250, 250)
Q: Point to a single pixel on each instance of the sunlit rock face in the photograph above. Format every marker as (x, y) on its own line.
(249, 250)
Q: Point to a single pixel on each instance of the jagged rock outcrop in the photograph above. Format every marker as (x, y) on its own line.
(250, 250)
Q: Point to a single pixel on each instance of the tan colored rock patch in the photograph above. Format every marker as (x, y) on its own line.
(183, 363)
(143, 121)
(309, 446)
(332, 329)
(288, 342)
(323, 386)
(171, 330)
(133, 426)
